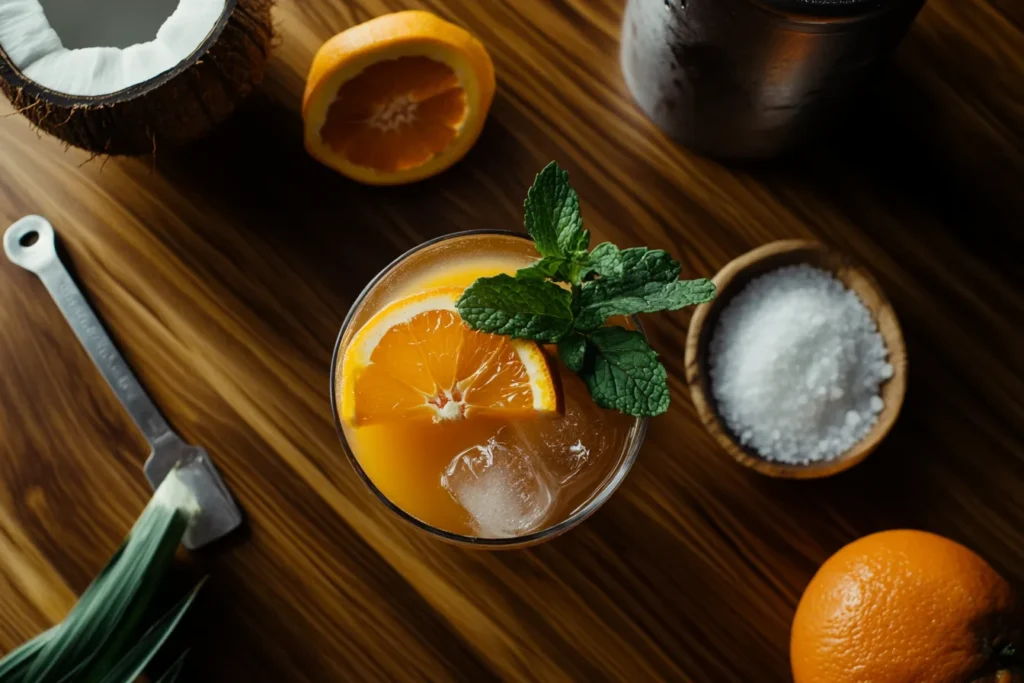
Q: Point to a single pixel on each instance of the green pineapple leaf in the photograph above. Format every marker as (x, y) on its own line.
(171, 675)
(103, 637)
(138, 657)
(15, 665)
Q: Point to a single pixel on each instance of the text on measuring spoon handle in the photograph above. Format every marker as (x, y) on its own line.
(104, 354)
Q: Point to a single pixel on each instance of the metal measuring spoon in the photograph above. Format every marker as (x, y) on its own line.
(29, 243)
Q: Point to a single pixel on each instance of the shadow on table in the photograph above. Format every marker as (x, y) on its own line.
(903, 146)
(255, 171)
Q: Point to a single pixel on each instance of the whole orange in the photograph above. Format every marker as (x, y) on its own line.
(906, 607)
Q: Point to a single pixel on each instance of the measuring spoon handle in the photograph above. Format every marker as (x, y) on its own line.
(30, 244)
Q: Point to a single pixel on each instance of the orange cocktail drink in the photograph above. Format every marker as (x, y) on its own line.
(475, 437)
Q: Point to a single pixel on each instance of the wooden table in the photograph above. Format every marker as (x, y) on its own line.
(224, 271)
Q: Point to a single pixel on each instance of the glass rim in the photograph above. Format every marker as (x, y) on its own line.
(580, 514)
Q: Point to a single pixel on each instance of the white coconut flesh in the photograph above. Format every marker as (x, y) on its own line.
(92, 48)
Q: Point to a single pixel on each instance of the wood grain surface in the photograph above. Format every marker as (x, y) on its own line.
(224, 270)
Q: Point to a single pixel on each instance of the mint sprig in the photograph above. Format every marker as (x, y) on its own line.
(573, 350)
(625, 373)
(516, 307)
(553, 215)
(648, 282)
(604, 260)
(570, 293)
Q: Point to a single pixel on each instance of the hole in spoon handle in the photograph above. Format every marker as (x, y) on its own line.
(29, 243)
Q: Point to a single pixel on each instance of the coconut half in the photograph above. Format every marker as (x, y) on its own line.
(130, 76)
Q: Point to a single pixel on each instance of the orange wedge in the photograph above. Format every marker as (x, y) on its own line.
(416, 359)
(396, 99)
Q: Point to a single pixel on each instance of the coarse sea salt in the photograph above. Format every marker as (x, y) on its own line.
(796, 363)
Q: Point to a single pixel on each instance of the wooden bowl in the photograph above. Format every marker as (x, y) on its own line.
(730, 281)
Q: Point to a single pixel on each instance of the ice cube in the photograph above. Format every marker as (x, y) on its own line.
(567, 444)
(501, 489)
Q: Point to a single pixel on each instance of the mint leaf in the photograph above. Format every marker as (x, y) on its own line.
(625, 373)
(598, 305)
(605, 260)
(556, 268)
(648, 284)
(573, 350)
(574, 269)
(524, 308)
(542, 269)
(553, 214)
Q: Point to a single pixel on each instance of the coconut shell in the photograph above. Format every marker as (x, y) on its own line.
(173, 108)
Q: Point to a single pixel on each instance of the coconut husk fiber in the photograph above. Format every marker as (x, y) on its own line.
(171, 109)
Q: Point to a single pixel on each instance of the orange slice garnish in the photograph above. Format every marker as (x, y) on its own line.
(416, 359)
(397, 98)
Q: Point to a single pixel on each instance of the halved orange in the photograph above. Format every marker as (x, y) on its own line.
(398, 98)
(416, 359)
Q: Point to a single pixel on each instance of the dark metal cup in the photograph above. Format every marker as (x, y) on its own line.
(753, 78)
